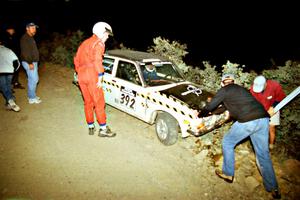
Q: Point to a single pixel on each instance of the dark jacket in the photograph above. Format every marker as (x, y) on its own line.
(241, 105)
(11, 42)
(29, 50)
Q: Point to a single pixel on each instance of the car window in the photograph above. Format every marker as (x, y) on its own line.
(127, 71)
(108, 64)
(165, 73)
(168, 71)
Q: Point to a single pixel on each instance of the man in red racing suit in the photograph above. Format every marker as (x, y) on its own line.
(88, 65)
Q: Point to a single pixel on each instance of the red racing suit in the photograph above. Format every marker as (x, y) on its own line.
(88, 65)
(271, 96)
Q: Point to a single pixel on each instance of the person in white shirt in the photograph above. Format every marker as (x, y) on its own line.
(9, 63)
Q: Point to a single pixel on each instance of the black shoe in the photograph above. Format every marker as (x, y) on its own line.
(92, 131)
(18, 86)
(228, 179)
(106, 133)
(276, 194)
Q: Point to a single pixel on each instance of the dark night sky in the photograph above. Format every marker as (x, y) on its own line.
(246, 33)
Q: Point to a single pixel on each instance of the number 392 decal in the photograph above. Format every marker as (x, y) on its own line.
(127, 97)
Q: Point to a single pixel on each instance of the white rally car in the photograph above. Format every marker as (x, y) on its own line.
(168, 101)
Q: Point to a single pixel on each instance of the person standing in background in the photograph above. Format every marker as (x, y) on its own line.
(269, 93)
(30, 58)
(12, 42)
(8, 64)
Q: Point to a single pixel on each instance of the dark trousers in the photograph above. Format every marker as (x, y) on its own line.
(15, 79)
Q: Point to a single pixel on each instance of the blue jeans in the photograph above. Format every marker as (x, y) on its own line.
(258, 130)
(5, 86)
(32, 77)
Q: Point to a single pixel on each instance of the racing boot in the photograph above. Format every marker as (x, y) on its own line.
(92, 131)
(106, 132)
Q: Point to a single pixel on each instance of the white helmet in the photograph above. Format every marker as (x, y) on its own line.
(101, 27)
(150, 67)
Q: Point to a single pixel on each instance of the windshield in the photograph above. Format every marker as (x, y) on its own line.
(161, 73)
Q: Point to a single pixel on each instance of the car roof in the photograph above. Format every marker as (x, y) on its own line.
(140, 56)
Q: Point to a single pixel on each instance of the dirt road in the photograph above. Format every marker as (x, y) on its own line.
(46, 153)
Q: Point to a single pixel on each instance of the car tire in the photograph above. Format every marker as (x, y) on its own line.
(166, 128)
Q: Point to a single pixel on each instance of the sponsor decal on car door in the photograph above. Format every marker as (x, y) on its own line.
(126, 94)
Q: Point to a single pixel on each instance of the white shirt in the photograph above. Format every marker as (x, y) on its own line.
(7, 57)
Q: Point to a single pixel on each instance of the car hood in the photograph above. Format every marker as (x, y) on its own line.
(189, 93)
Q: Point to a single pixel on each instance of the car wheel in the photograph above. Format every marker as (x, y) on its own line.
(166, 128)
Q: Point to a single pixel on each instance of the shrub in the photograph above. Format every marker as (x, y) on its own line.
(61, 48)
(174, 51)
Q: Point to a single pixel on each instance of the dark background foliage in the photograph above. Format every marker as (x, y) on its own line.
(250, 33)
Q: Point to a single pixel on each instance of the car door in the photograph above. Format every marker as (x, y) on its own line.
(128, 89)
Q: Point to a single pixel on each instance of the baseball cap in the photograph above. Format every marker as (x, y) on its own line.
(31, 24)
(227, 77)
(259, 84)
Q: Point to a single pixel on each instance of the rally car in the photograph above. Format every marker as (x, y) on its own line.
(168, 101)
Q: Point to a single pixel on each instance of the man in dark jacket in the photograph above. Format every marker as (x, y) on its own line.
(251, 120)
(30, 59)
(12, 42)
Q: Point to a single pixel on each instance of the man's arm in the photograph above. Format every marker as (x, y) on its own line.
(215, 102)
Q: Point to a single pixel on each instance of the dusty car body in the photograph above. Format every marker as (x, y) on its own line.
(168, 102)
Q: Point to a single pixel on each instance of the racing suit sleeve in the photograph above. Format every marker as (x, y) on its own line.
(98, 58)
